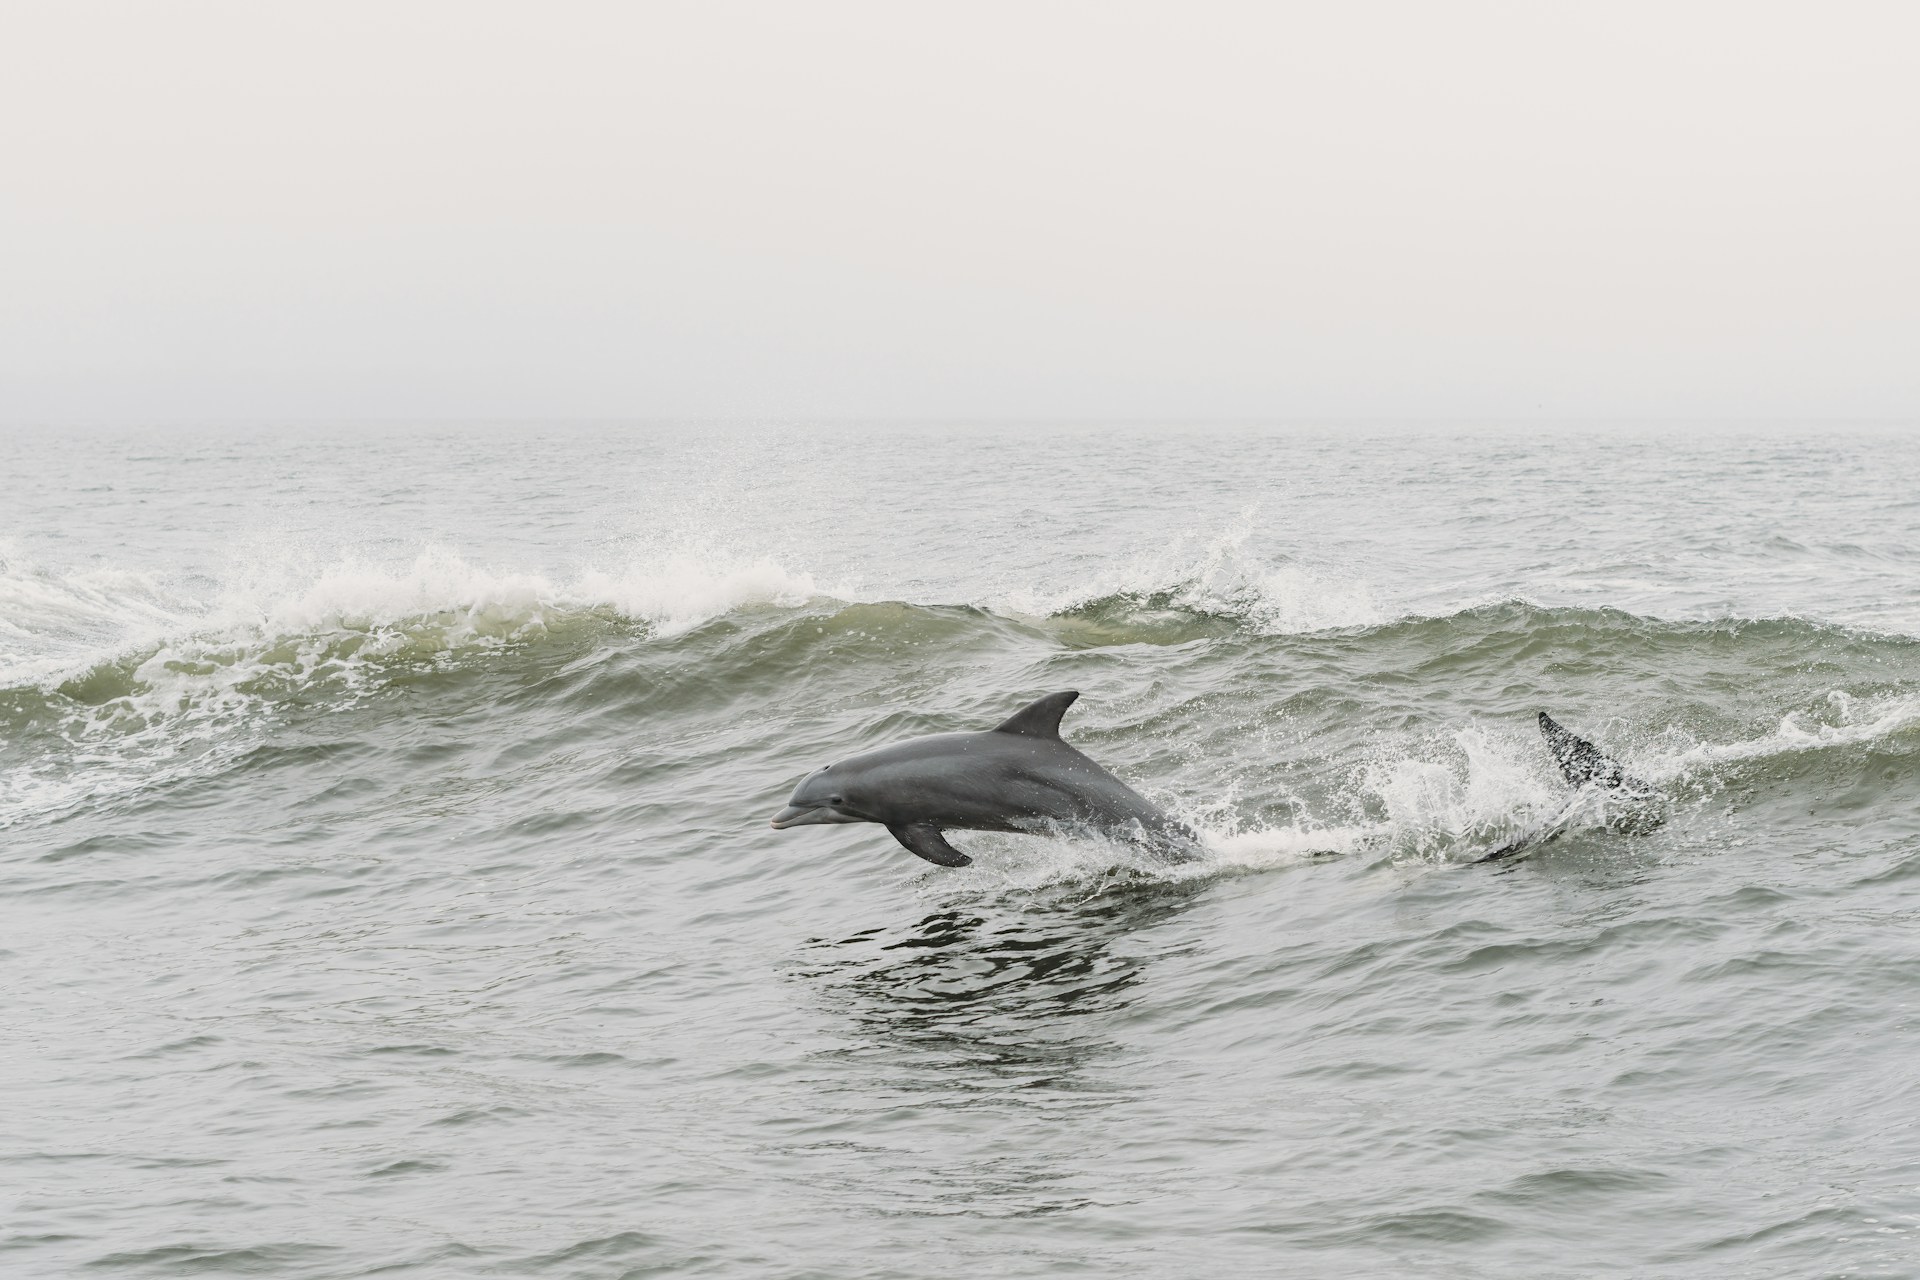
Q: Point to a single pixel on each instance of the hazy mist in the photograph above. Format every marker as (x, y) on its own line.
(343, 210)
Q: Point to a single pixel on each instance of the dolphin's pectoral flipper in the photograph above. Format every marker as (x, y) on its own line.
(924, 840)
(1532, 839)
(1511, 849)
(1580, 760)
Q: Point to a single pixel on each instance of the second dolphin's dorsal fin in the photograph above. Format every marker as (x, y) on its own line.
(1041, 717)
(1580, 760)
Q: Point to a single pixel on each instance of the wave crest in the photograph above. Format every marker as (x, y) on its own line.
(57, 627)
(1219, 577)
(144, 679)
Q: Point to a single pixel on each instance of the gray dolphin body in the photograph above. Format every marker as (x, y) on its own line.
(1633, 805)
(1018, 776)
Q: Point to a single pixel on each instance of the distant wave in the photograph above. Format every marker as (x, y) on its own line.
(55, 627)
(112, 679)
(90, 642)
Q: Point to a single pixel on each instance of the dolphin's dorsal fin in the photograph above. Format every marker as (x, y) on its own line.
(1580, 760)
(1040, 718)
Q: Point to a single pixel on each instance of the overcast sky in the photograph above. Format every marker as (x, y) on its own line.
(398, 209)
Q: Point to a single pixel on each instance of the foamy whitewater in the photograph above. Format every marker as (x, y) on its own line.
(388, 887)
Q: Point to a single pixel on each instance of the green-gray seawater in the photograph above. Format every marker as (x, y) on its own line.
(386, 885)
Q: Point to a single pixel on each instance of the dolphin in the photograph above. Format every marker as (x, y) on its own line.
(1017, 776)
(1634, 806)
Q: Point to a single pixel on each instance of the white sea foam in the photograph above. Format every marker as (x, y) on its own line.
(52, 624)
(1843, 720)
(683, 591)
(1473, 788)
(1219, 574)
(1262, 848)
(55, 626)
(1077, 863)
(672, 593)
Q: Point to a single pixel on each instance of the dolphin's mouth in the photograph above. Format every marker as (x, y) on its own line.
(795, 815)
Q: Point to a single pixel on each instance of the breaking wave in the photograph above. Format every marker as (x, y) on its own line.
(115, 681)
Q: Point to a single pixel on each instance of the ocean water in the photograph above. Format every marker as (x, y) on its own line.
(386, 885)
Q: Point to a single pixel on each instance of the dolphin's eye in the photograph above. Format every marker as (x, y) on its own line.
(836, 799)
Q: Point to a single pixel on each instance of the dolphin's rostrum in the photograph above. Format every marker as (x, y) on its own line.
(1018, 776)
